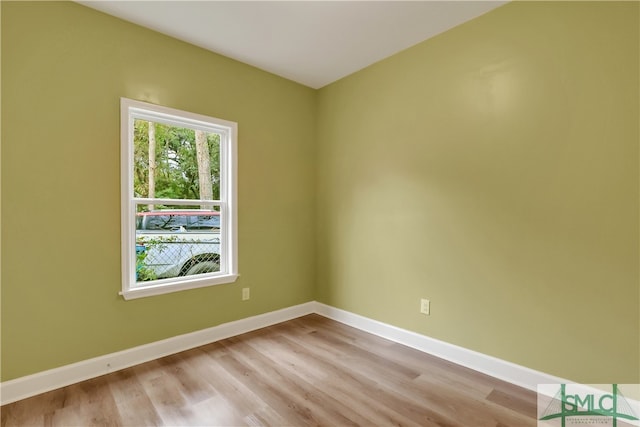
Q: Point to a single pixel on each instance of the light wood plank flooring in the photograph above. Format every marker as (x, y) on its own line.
(304, 372)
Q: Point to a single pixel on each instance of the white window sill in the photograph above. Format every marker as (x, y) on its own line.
(189, 282)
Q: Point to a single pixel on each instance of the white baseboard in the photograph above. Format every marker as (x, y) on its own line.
(498, 368)
(31, 385)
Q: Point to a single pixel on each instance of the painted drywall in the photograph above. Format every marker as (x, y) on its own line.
(494, 170)
(64, 69)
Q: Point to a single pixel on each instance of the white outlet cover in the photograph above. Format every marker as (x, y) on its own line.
(424, 306)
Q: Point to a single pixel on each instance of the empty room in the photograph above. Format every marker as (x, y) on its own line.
(374, 213)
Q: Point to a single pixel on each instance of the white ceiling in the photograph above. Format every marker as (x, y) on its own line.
(310, 42)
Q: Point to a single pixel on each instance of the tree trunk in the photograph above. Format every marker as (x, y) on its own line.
(204, 167)
(152, 162)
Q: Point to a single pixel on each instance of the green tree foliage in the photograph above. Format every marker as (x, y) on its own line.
(177, 168)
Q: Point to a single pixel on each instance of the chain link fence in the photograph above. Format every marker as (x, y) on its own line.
(160, 256)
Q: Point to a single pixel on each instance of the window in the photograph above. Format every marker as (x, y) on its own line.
(178, 200)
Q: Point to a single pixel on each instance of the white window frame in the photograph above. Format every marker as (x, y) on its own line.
(131, 110)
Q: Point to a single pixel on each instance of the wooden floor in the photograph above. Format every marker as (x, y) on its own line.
(308, 371)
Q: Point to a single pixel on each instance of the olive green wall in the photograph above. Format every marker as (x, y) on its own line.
(64, 69)
(494, 170)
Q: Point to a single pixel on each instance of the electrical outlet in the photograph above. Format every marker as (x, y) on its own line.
(245, 294)
(424, 306)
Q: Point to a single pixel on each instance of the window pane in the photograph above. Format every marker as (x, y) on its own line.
(174, 241)
(182, 232)
(172, 162)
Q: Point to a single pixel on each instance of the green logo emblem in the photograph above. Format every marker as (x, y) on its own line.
(587, 404)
